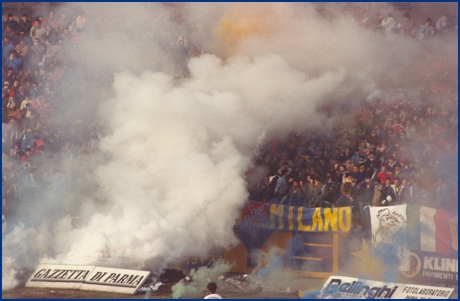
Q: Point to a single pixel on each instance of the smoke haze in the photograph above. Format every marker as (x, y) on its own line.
(169, 179)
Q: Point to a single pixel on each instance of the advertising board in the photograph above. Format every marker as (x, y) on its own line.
(90, 278)
(432, 268)
(59, 276)
(340, 287)
(115, 280)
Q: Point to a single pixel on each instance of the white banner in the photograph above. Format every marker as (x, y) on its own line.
(348, 287)
(88, 278)
(115, 280)
(59, 276)
(389, 229)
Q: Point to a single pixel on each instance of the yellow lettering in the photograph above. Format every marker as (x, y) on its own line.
(290, 221)
(330, 218)
(276, 210)
(299, 220)
(194, 260)
(240, 218)
(344, 218)
(317, 220)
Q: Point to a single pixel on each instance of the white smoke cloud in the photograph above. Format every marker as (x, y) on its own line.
(177, 151)
(178, 157)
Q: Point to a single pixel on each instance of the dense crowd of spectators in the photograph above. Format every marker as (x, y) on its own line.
(388, 152)
(42, 139)
(402, 150)
(445, 25)
(398, 146)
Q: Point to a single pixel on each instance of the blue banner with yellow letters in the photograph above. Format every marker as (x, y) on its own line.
(293, 218)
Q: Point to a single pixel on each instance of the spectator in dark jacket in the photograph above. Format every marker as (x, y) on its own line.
(11, 23)
(25, 24)
(364, 197)
(347, 192)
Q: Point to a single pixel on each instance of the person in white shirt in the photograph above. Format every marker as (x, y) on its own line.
(389, 23)
(212, 287)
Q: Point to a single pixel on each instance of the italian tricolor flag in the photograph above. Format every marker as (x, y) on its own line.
(432, 230)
